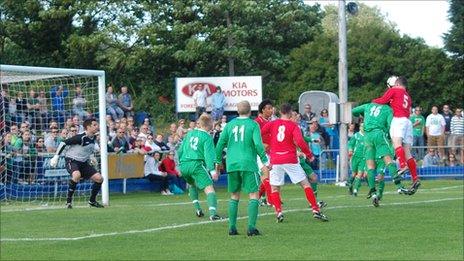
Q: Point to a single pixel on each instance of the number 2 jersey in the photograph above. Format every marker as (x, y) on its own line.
(285, 137)
(399, 100)
(198, 145)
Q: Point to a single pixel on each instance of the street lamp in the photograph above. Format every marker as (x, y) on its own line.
(345, 108)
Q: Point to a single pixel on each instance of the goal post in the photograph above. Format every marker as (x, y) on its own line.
(29, 77)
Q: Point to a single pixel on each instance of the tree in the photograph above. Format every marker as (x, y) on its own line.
(375, 51)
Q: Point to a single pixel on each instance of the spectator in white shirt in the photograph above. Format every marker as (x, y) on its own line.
(199, 98)
(435, 130)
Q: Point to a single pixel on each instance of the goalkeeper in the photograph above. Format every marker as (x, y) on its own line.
(80, 152)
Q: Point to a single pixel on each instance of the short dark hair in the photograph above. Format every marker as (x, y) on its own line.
(263, 104)
(286, 108)
(88, 122)
(402, 81)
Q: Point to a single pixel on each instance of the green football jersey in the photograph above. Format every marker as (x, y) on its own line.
(197, 145)
(417, 130)
(242, 137)
(376, 116)
(356, 144)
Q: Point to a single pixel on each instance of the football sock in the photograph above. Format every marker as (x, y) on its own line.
(262, 190)
(401, 156)
(267, 187)
(350, 182)
(71, 188)
(393, 170)
(311, 198)
(275, 197)
(371, 178)
(233, 209)
(212, 203)
(193, 194)
(314, 187)
(95, 189)
(381, 188)
(412, 168)
(357, 183)
(252, 213)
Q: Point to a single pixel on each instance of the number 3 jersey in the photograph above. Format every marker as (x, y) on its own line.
(198, 145)
(399, 100)
(285, 137)
(242, 137)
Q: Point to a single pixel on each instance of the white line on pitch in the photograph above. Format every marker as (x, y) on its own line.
(204, 222)
(145, 204)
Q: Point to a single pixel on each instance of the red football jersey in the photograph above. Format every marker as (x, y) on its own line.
(261, 122)
(285, 137)
(399, 101)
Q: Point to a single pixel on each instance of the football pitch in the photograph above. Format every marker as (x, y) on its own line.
(425, 226)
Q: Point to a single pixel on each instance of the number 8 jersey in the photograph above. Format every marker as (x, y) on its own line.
(285, 137)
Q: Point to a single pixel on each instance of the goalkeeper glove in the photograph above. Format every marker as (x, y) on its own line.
(93, 161)
(54, 161)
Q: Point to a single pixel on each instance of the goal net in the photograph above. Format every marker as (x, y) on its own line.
(40, 107)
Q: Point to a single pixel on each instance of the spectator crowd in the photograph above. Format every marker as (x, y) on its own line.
(35, 125)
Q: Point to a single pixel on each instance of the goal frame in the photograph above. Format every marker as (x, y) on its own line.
(101, 107)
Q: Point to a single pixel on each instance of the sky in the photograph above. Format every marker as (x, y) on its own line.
(425, 19)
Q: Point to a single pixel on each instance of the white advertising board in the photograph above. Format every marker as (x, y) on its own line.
(235, 89)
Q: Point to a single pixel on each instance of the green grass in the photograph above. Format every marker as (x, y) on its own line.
(426, 226)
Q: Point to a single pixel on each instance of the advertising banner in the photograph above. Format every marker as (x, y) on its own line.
(235, 89)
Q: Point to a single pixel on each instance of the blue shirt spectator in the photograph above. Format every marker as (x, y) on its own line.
(218, 103)
(58, 93)
(125, 102)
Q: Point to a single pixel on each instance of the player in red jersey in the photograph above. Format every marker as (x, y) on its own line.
(285, 137)
(401, 126)
(265, 109)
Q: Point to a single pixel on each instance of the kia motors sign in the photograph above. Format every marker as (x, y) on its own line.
(235, 89)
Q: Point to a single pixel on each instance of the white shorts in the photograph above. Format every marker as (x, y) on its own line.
(294, 171)
(401, 128)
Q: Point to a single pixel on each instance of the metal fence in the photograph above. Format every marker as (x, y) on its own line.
(327, 165)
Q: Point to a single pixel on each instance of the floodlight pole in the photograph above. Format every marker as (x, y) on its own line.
(342, 89)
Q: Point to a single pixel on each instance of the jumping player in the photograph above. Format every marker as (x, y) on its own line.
(79, 160)
(377, 118)
(285, 138)
(401, 127)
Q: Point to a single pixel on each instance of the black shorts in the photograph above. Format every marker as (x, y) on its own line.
(84, 168)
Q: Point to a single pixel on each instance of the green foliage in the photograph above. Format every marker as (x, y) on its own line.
(375, 51)
(145, 45)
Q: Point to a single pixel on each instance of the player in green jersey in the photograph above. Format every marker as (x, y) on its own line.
(197, 156)
(358, 161)
(242, 138)
(377, 120)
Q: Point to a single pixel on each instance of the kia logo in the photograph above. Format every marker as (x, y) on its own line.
(190, 88)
